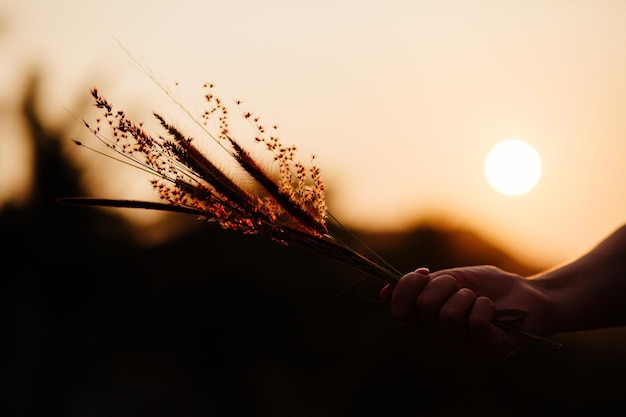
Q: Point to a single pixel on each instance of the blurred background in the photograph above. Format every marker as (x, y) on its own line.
(124, 312)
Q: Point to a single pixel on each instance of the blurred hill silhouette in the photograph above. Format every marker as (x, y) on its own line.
(214, 323)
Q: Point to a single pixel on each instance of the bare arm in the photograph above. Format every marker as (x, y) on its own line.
(589, 293)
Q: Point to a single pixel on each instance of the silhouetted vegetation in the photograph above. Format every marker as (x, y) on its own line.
(214, 323)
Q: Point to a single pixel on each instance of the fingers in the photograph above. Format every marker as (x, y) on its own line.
(431, 300)
(488, 342)
(438, 302)
(451, 311)
(479, 322)
(405, 293)
(455, 317)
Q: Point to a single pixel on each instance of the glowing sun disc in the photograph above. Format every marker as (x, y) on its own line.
(513, 167)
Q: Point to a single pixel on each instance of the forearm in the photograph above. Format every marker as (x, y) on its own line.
(590, 292)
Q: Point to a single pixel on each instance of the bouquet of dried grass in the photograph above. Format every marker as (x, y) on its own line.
(287, 206)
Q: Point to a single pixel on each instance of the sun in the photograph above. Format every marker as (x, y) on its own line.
(513, 167)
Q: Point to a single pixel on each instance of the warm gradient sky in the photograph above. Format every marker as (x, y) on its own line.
(399, 100)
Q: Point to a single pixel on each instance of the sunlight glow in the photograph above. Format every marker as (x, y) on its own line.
(513, 167)
(370, 95)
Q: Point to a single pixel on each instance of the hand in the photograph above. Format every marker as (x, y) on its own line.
(455, 308)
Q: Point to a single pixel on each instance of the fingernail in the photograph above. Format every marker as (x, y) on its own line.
(385, 292)
(423, 271)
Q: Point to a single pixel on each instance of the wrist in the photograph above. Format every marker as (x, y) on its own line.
(582, 296)
(557, 297)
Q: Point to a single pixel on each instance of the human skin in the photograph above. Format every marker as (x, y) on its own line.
(455, 308)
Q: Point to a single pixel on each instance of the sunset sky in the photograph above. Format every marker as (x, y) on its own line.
(400, 101)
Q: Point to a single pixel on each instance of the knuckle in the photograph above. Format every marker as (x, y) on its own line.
(449, 315)
(401, 313)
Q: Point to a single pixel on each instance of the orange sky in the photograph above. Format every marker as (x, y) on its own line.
(399, 100)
